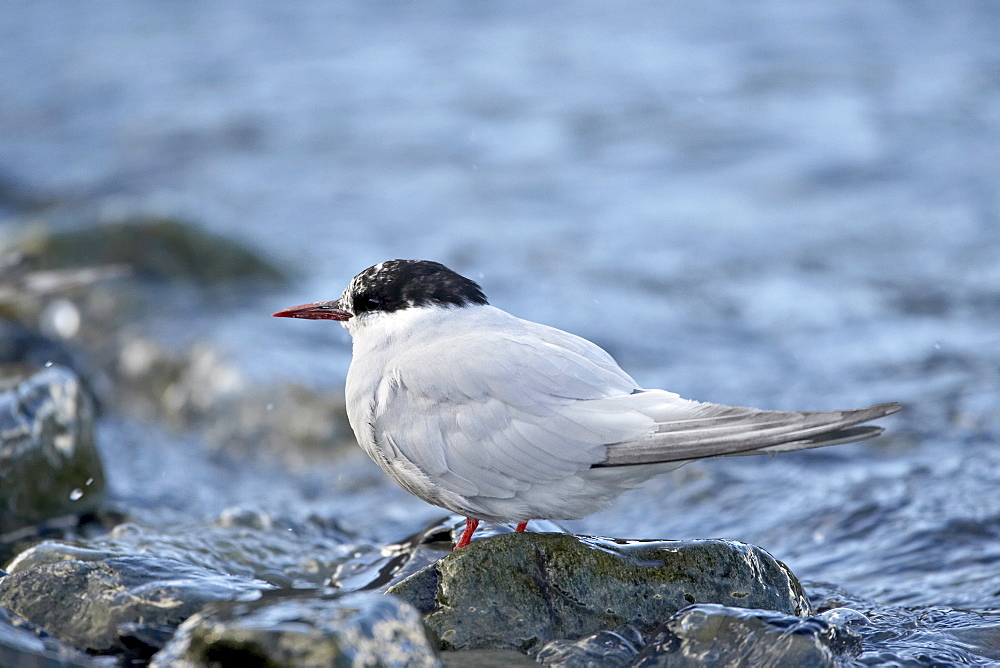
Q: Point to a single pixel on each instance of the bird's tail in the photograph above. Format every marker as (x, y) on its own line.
(689, 430)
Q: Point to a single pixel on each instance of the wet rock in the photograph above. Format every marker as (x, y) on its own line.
(240, 542)
(604, 648)
(24, 350)
(159, 249)
(302, 629)
(487, 658)
(49, 464)
(86, 604)
(377, 568)
(717, 635)
(520, 590)
(26, 645)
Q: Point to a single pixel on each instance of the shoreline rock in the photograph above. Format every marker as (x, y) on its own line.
(50, 468)
(521, 590)
(94, 605)
(312, 628)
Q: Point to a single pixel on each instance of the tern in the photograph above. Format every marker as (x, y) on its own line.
(505, 420)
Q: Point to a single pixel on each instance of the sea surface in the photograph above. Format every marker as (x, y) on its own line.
(784, 205)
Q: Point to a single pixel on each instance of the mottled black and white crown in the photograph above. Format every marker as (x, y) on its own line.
(394, 285)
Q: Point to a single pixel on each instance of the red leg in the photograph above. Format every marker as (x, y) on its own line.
(470, 528)
(522, 526)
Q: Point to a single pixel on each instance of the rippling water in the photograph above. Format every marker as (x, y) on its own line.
(766, 204)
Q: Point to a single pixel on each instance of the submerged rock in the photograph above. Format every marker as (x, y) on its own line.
(91, 605)
(302, 629)
(606, 649)
(25, 644)
(521, 590)
(717, 635)
(49, 464)
(241, 542)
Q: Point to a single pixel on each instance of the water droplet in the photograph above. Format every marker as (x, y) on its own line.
(76, 494)
(48, 364)
(90, 481)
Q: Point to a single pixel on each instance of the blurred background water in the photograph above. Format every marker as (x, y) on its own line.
(769, 204)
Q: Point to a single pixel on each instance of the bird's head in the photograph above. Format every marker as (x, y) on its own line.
(390, 286)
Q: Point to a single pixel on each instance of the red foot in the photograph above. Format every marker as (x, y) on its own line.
(522, 526)
(470, 528)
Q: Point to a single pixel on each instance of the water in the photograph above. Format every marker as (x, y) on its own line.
(761, 204)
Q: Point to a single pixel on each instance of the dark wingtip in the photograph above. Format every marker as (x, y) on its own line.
(849, 435)
(881, 410)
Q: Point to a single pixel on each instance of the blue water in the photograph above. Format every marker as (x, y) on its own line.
(770, 204)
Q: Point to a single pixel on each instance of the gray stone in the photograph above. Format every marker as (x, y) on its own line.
(302, 629)
(49, 464)
(288, 554)
(26, 645)
(520, 590)
(85, 604)
(716, 635)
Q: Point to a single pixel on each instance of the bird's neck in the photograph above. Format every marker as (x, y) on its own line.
(380, 333)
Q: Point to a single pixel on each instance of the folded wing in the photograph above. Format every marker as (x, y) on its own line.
(506, 414)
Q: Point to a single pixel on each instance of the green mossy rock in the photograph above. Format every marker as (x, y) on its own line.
(156, 248)
(519, 590)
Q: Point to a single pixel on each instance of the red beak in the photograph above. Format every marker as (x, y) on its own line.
(315, 311)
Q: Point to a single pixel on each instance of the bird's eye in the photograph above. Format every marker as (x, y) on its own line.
(369, 303)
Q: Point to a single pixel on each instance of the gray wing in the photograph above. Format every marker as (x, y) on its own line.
(688, 430)
(494, 414)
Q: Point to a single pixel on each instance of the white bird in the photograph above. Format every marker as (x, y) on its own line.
(505, 420)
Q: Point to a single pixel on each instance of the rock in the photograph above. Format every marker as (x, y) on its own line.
(24, 350)
(159, 249)
(50, 552)
(717, 635)
(26, 645)
(49, 464)
(378, 568)
(521, 590)
(86, 604)
(606, 649)
(285, 628)
(241, 542)
(487, 658)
